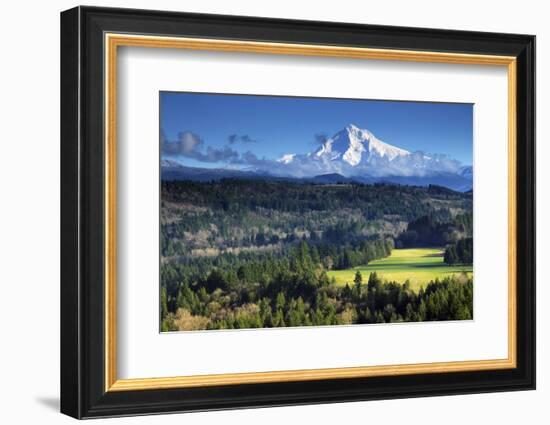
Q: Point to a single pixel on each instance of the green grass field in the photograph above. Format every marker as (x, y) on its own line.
(419, 265)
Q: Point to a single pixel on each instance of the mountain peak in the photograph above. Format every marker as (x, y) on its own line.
(355, 145)
(355, 154)
(352, 127)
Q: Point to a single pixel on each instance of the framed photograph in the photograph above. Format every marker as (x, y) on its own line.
(261, 212)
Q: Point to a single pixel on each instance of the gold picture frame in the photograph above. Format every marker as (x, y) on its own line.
(114, 41)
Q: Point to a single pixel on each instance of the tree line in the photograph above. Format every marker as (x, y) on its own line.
(372, 302)
(436, 229)
(296, 291)
(461, 252)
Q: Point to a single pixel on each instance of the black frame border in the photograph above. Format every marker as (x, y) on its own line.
(82, 212)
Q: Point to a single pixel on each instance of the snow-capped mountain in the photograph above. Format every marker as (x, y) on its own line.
(357, 155)
(354, 151)
(355, 145)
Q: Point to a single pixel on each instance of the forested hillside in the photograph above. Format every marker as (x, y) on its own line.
(255, 253)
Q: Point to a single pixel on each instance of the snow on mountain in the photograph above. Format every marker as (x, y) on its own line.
(355, 145)
(357, 155)
(354, 151)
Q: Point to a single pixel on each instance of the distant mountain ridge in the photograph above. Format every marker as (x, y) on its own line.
(352, 155)
(180, 172)
(172, 170)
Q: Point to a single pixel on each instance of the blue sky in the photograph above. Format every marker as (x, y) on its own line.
(214, 128)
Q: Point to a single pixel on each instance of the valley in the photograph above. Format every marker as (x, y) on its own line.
(241, 253)
(418, 266)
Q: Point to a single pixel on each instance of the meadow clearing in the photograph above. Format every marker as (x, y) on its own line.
(418, 265)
